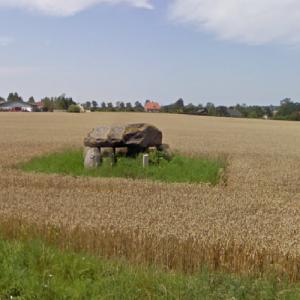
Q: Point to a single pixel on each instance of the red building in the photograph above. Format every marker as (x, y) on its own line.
(151, 106)
(39, 105)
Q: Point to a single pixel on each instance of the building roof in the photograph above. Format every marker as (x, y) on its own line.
(202, 111)
(224, 111)
(151, 105)
(234, 113)
(14, 104)
(39, 104)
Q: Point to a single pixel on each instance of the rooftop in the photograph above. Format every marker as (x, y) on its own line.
(151, 105)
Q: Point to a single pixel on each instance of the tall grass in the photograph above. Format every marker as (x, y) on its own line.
(33, 270)
(179, 169)
(249, 225)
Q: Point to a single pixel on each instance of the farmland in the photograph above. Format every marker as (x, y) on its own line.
(248, 223)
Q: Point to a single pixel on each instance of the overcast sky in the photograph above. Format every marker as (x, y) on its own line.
(221, 51)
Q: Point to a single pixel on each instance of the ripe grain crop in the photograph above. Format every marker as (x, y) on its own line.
(250, 224)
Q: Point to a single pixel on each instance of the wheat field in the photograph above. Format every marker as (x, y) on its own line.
(248, 223)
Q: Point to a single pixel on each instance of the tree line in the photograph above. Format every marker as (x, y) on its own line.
(49, 103)
(287, 110)
(119, 106)
(58, 103)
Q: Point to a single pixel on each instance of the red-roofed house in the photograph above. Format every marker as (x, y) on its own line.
(39, 105)
(151, 106)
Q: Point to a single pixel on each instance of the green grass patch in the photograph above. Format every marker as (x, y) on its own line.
(179, 169)
(32, 270)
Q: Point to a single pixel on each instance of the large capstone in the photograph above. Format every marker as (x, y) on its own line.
(140, 136)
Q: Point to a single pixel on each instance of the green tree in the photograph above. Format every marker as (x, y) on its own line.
(122, 106)
(62, 102)
(14, 97)
(94, 104)
(243, 109)
(128, 106)
(138, 107)
(110, 106)
(31, 100)
(179, 105)
(211, 109)
(190, 108)
(87, 105)
(73, 108)
(253, 115)
(287, 108)
(268, 112)
(48, 104)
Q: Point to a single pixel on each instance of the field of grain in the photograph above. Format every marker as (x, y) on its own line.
(250, 223)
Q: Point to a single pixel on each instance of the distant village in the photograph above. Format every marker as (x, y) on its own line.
(287, 110)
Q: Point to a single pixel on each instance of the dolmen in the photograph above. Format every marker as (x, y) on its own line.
(129, 138)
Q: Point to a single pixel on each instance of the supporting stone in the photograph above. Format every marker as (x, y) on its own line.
(106, 152)
(113, 157)
(92, 158)
(85, 150)
(145, 160)
(166, 151)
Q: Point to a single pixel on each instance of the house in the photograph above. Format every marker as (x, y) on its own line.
(202, 112)
(151, 106)
(234, 113)
(39, 106)
(16, 106)
(223, 111)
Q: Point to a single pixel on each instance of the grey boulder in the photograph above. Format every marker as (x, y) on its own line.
(139, 135)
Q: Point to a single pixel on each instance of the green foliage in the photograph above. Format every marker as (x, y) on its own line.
(32, 270)
(31, 100)
(14, 97)
(211, 109)
(94, 104)
(74, 108)
(288, 110)
(138, 107)
(128, 107)
(59, 103)
(177, 107)
(48, 104)
(179, 169)
(103, 106)
(62, 102)
(119, 107)
(253, 111)
(87, 105)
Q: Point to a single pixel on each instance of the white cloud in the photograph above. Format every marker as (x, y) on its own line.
(6, 41)
(247, 21)
(68, 7)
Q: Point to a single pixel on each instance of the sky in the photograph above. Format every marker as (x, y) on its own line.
(221, 51)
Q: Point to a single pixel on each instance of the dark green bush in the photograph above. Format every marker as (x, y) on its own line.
(74, 108)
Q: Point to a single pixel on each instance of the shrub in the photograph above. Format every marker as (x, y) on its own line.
(74, 108)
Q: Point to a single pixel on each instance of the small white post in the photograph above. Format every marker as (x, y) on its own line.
(145, 160)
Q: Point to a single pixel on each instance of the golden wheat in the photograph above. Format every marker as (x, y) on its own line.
(251, 224)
